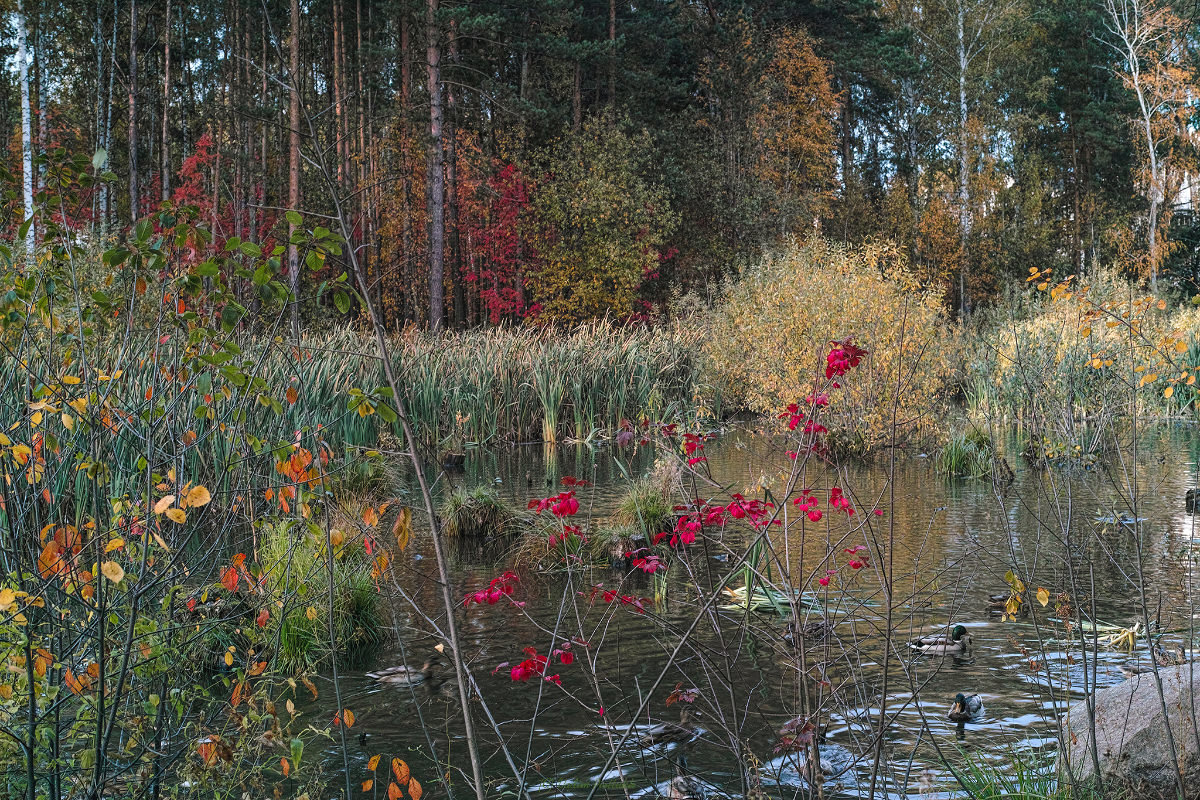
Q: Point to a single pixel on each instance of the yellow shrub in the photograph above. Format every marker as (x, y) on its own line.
(768, 339)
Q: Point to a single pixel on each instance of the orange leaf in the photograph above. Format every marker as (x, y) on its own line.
(292, 395)
(401, 771)
(285, 766)
(229, 579)
(349, 718)
(262, 618)
(257, 669)
(367, 784)
(394, 792)
(198, 496)
(371, 517)
(308, 684)
(414, 789)
(46, 496)
(373, 763)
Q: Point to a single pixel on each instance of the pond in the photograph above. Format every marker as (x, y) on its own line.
(952, 543)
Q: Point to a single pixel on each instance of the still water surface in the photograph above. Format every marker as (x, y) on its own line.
(953, 541)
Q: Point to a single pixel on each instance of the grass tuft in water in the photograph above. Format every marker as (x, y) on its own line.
(479, 513)
(967, 454)
(646, 508)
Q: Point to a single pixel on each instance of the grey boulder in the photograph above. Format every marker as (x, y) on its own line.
(1131, 738)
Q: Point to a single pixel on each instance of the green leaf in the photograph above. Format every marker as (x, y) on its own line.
(386, 413)
(99, 159)
(342, 301)
(143, 230)
(294, 218)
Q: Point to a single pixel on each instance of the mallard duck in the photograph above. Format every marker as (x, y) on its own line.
(1169, 659)
(405, 675)
(684, 786)
(671, 732)
(966, 708)
(813, 631)
(959, 641)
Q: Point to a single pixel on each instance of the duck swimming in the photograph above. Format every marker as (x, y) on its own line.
(671, 732)
(966, 708)
(958, 642)
(405, 675)
(684, 786)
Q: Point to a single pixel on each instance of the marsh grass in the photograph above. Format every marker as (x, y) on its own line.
(295, 565)
(1019, 777)
(968, 453)
(480, 513)
(646, 508)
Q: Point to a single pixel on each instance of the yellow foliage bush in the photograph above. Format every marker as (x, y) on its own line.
(768, 338)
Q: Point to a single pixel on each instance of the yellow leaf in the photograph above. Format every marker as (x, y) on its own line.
(70, 380)
(1167, 392)
(112, 570)
(4, 440)
(36, 419)
(68, 421)
(6, 691)
(162, 505)
(176, 515)
(373, 763)
(198, 496)
(1085, 331)
(7, 598)
(336, 538)
(229, 659)
(310, 612)
(115, 544)
(403, 527)
(1043, 596)
(1180, 346)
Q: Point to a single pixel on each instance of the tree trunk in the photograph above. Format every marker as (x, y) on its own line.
(435, 178)
(133, 160)
(164, 150)
(406, 236)
(460, 294)
(612, 53)
(294, 164)
(26, 130)
(964, 211)
(108, 110)
(339, 96)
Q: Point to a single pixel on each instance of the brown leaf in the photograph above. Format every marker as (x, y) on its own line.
(401, 771)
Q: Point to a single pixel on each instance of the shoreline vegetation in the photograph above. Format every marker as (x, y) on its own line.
(198, 510)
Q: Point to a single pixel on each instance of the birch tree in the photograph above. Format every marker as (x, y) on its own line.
(26, 128)
(1151, 42)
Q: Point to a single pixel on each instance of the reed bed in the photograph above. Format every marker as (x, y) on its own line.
(480, 387)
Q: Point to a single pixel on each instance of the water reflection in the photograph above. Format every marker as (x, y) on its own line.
(950, 546)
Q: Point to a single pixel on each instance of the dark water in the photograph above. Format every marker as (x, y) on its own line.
(950, 543)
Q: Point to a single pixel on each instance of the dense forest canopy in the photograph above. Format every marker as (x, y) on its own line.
(494, 161)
